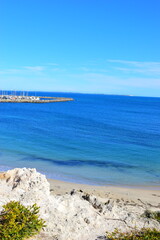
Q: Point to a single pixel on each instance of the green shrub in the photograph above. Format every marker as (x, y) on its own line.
(153, 215)
(18, 222)
(143, 234)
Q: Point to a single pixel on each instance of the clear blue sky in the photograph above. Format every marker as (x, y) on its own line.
(94, 46)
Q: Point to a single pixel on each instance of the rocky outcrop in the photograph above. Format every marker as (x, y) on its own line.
(73, 216)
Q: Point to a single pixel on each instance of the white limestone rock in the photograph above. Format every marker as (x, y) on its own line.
(74, 216)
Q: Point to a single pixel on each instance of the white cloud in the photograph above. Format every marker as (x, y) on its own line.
(93, 70)
(22, 70)
(10, 71)
(105, 81)
(35, 68)
(137, 67)
(53, 64)
(84, 79)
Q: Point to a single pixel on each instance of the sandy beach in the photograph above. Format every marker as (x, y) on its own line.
(147, 194)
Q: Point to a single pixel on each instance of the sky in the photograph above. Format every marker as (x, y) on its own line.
(87, 46)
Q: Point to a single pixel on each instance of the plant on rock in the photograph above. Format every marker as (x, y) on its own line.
(151, 214)
(143, 234)
(18, 222)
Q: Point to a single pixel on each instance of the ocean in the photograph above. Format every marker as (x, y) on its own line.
(95, 139)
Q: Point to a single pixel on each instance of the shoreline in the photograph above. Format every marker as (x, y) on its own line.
(63, 181)
(137, 194)
(140, 186)
(83, 183)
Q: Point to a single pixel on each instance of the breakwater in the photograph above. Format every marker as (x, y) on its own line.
(31, 99)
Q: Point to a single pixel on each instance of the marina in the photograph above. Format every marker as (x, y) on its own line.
(24, 98)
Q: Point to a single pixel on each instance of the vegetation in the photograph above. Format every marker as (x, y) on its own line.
(18, 222)
(153, 215)
(143, 234)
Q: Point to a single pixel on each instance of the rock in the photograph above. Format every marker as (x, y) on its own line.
(73, 216)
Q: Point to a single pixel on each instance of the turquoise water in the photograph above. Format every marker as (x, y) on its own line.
(96, 139)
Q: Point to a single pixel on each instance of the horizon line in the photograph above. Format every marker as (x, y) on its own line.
(111, 94)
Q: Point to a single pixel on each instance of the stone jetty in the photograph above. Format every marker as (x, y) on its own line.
(31, 99)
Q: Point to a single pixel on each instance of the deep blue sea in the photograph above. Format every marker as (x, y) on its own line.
(96, 139)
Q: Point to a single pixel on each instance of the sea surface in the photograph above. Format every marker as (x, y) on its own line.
(96, 139)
